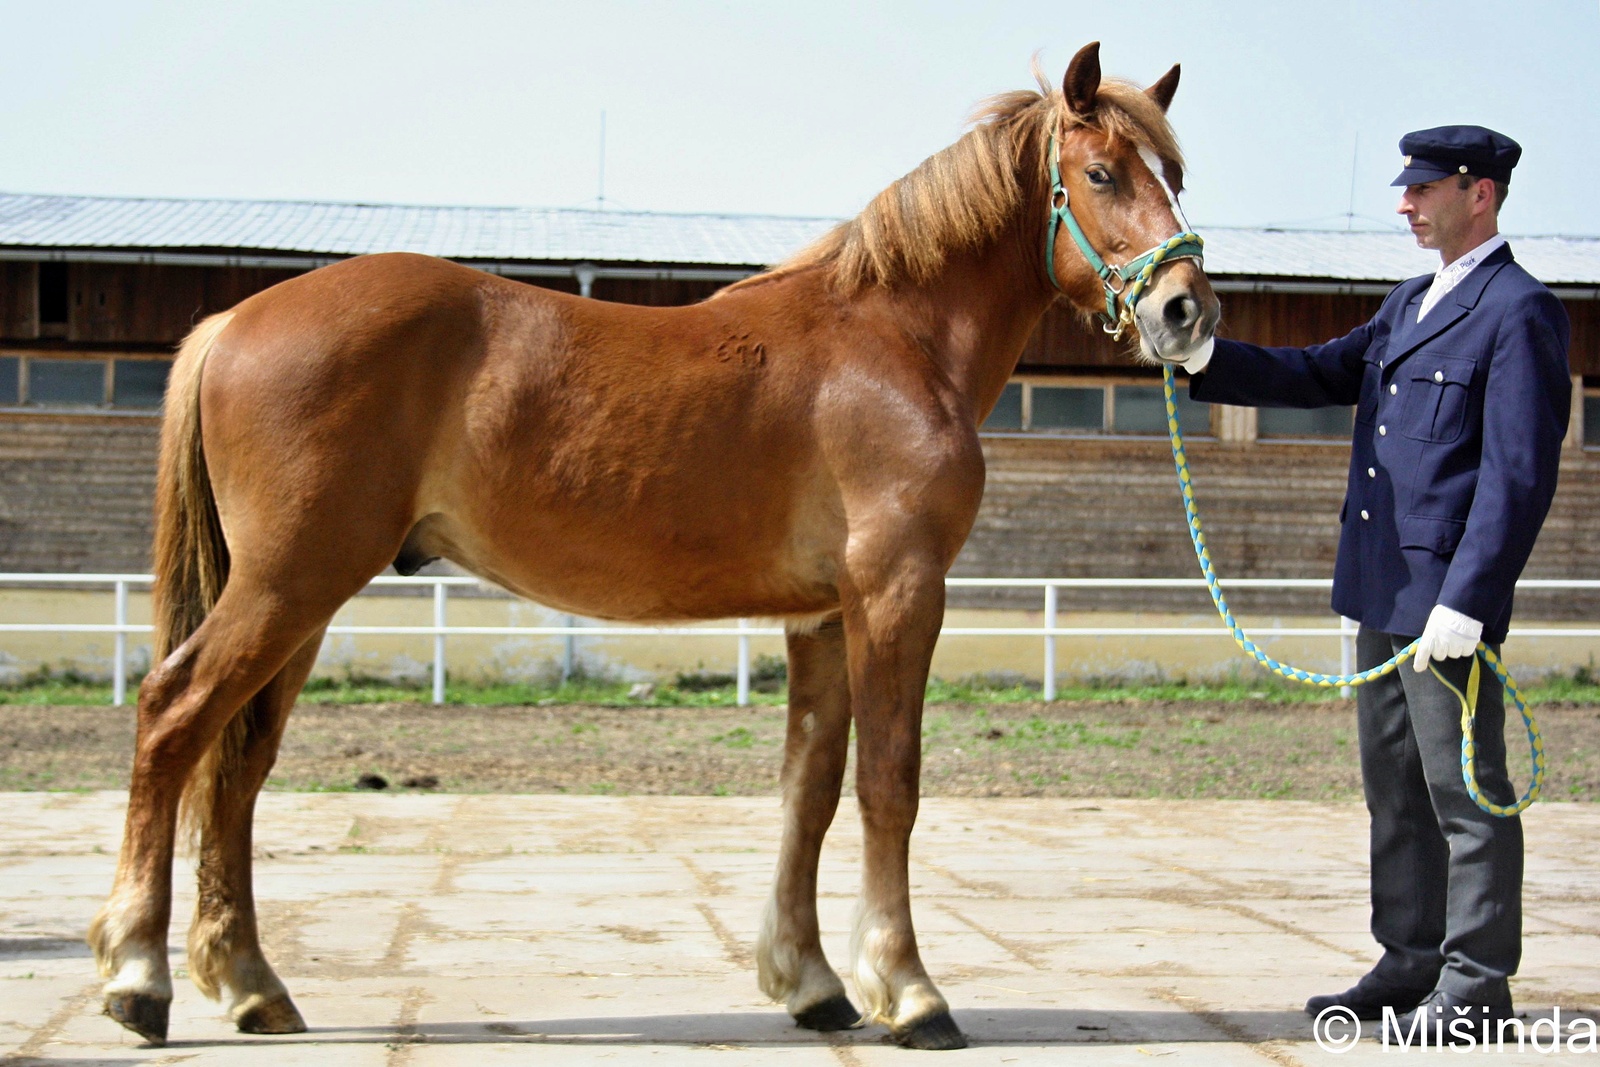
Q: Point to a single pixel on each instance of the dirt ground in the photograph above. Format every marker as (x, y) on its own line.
(1089, 749)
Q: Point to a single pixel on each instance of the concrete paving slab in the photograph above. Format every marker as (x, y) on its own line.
(421, 930)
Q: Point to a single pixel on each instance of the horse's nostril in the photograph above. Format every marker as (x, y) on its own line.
(1180, 312)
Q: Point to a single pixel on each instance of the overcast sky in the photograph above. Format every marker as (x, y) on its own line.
(798, 108)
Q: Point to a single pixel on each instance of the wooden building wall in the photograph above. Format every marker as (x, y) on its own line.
(141, 306)
(147, 306)
(76, 493)
(1110, 508)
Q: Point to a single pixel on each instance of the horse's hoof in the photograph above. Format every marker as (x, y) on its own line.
(275, 1016)
(936, 1033)
(835, 1013)
(144, 1015)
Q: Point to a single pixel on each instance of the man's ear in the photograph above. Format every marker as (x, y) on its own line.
(1162, 91)
(1083, 80)
(1483, 195)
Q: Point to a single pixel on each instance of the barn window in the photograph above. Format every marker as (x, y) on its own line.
(1142, 409)
(1067, 407)
(1007, 413)
(1591, 418)
(67, 382)
(1052, 406)
(1305, 422)
(10, 381)
(53, 301)
(139, 383)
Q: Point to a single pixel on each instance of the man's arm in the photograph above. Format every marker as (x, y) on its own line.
(1253, 376)
(1527, 403)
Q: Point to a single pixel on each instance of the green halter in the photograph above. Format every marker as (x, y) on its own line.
(1130, 280)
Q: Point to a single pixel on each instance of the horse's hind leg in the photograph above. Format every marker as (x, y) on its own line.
(224, 945)
(789, 960)
(184, 705)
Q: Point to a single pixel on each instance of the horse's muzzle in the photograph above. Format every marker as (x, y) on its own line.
(1177, 315)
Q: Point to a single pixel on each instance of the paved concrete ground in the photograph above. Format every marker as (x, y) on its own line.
(422, 930)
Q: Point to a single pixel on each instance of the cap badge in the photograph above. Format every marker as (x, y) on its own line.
(1406, 162)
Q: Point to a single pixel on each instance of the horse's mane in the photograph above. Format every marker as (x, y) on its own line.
(964, 196)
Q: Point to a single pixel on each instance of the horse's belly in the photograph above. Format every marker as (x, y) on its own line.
(632, 567)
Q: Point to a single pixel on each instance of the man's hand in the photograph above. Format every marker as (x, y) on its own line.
(1197, 360)
(1449, 634)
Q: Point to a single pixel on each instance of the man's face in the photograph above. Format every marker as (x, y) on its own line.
(1439, 212)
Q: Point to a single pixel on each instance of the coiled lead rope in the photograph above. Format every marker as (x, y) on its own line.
(1469, 699)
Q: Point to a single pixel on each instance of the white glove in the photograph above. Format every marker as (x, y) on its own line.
(1449, 634)
(1197, 360)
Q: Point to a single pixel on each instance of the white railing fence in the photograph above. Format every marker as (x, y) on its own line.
(1049, 631)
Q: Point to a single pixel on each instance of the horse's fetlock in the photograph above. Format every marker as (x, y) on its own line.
(777, 961)
(210, 950)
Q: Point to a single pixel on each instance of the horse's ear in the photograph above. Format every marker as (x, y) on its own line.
(1083, 79)
(1162, 91)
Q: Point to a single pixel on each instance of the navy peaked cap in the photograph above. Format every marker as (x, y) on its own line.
(1446, 150)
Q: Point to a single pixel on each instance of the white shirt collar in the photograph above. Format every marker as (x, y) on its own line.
(1447, 278)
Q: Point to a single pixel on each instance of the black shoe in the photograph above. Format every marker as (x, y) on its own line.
(1368, 997)
(1439, 1009)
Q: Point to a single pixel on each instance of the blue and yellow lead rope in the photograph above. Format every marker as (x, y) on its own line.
(1469, 699)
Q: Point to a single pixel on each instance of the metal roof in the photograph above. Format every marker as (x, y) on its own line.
(563, 235)
(470, 233)
(1378, 256)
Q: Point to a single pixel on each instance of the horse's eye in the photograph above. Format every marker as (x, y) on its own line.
(1098, 175)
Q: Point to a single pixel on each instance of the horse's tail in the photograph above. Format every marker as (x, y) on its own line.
(191, 557)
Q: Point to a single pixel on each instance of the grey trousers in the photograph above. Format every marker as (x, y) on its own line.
(1446, 875)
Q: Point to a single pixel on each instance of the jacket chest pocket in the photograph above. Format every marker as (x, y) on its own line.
(1433, 404)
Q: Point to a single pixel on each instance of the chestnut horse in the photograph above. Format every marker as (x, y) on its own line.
(802, 445)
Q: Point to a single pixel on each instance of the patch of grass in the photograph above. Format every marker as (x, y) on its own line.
(57, 685)
(738, 737)
(67, 685)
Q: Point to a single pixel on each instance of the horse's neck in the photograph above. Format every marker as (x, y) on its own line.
(975, 318)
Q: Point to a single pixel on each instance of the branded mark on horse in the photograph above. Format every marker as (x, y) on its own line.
(802, 445)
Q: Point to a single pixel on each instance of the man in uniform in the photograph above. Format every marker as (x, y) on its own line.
(1462, 394)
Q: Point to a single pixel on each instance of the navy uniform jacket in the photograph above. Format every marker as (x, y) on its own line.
(1458, 431)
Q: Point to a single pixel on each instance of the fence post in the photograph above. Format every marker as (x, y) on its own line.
(1347, 652)
(119, 661)
(1050, 642)
(569, 649)
(438, 642)
(744, 664)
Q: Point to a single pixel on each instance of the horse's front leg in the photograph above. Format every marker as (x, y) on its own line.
(891, 625)
(789, 960)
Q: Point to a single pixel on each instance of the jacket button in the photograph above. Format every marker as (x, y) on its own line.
(1380, 364)
(1372, 472)
(1364, 514)
(1393, 389)
(1438, 375)
(1383, 431)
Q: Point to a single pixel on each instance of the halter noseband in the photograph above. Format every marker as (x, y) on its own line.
(1130, 280)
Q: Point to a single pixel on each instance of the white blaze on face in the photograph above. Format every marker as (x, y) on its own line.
(1153, 161)
(1196, 358)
